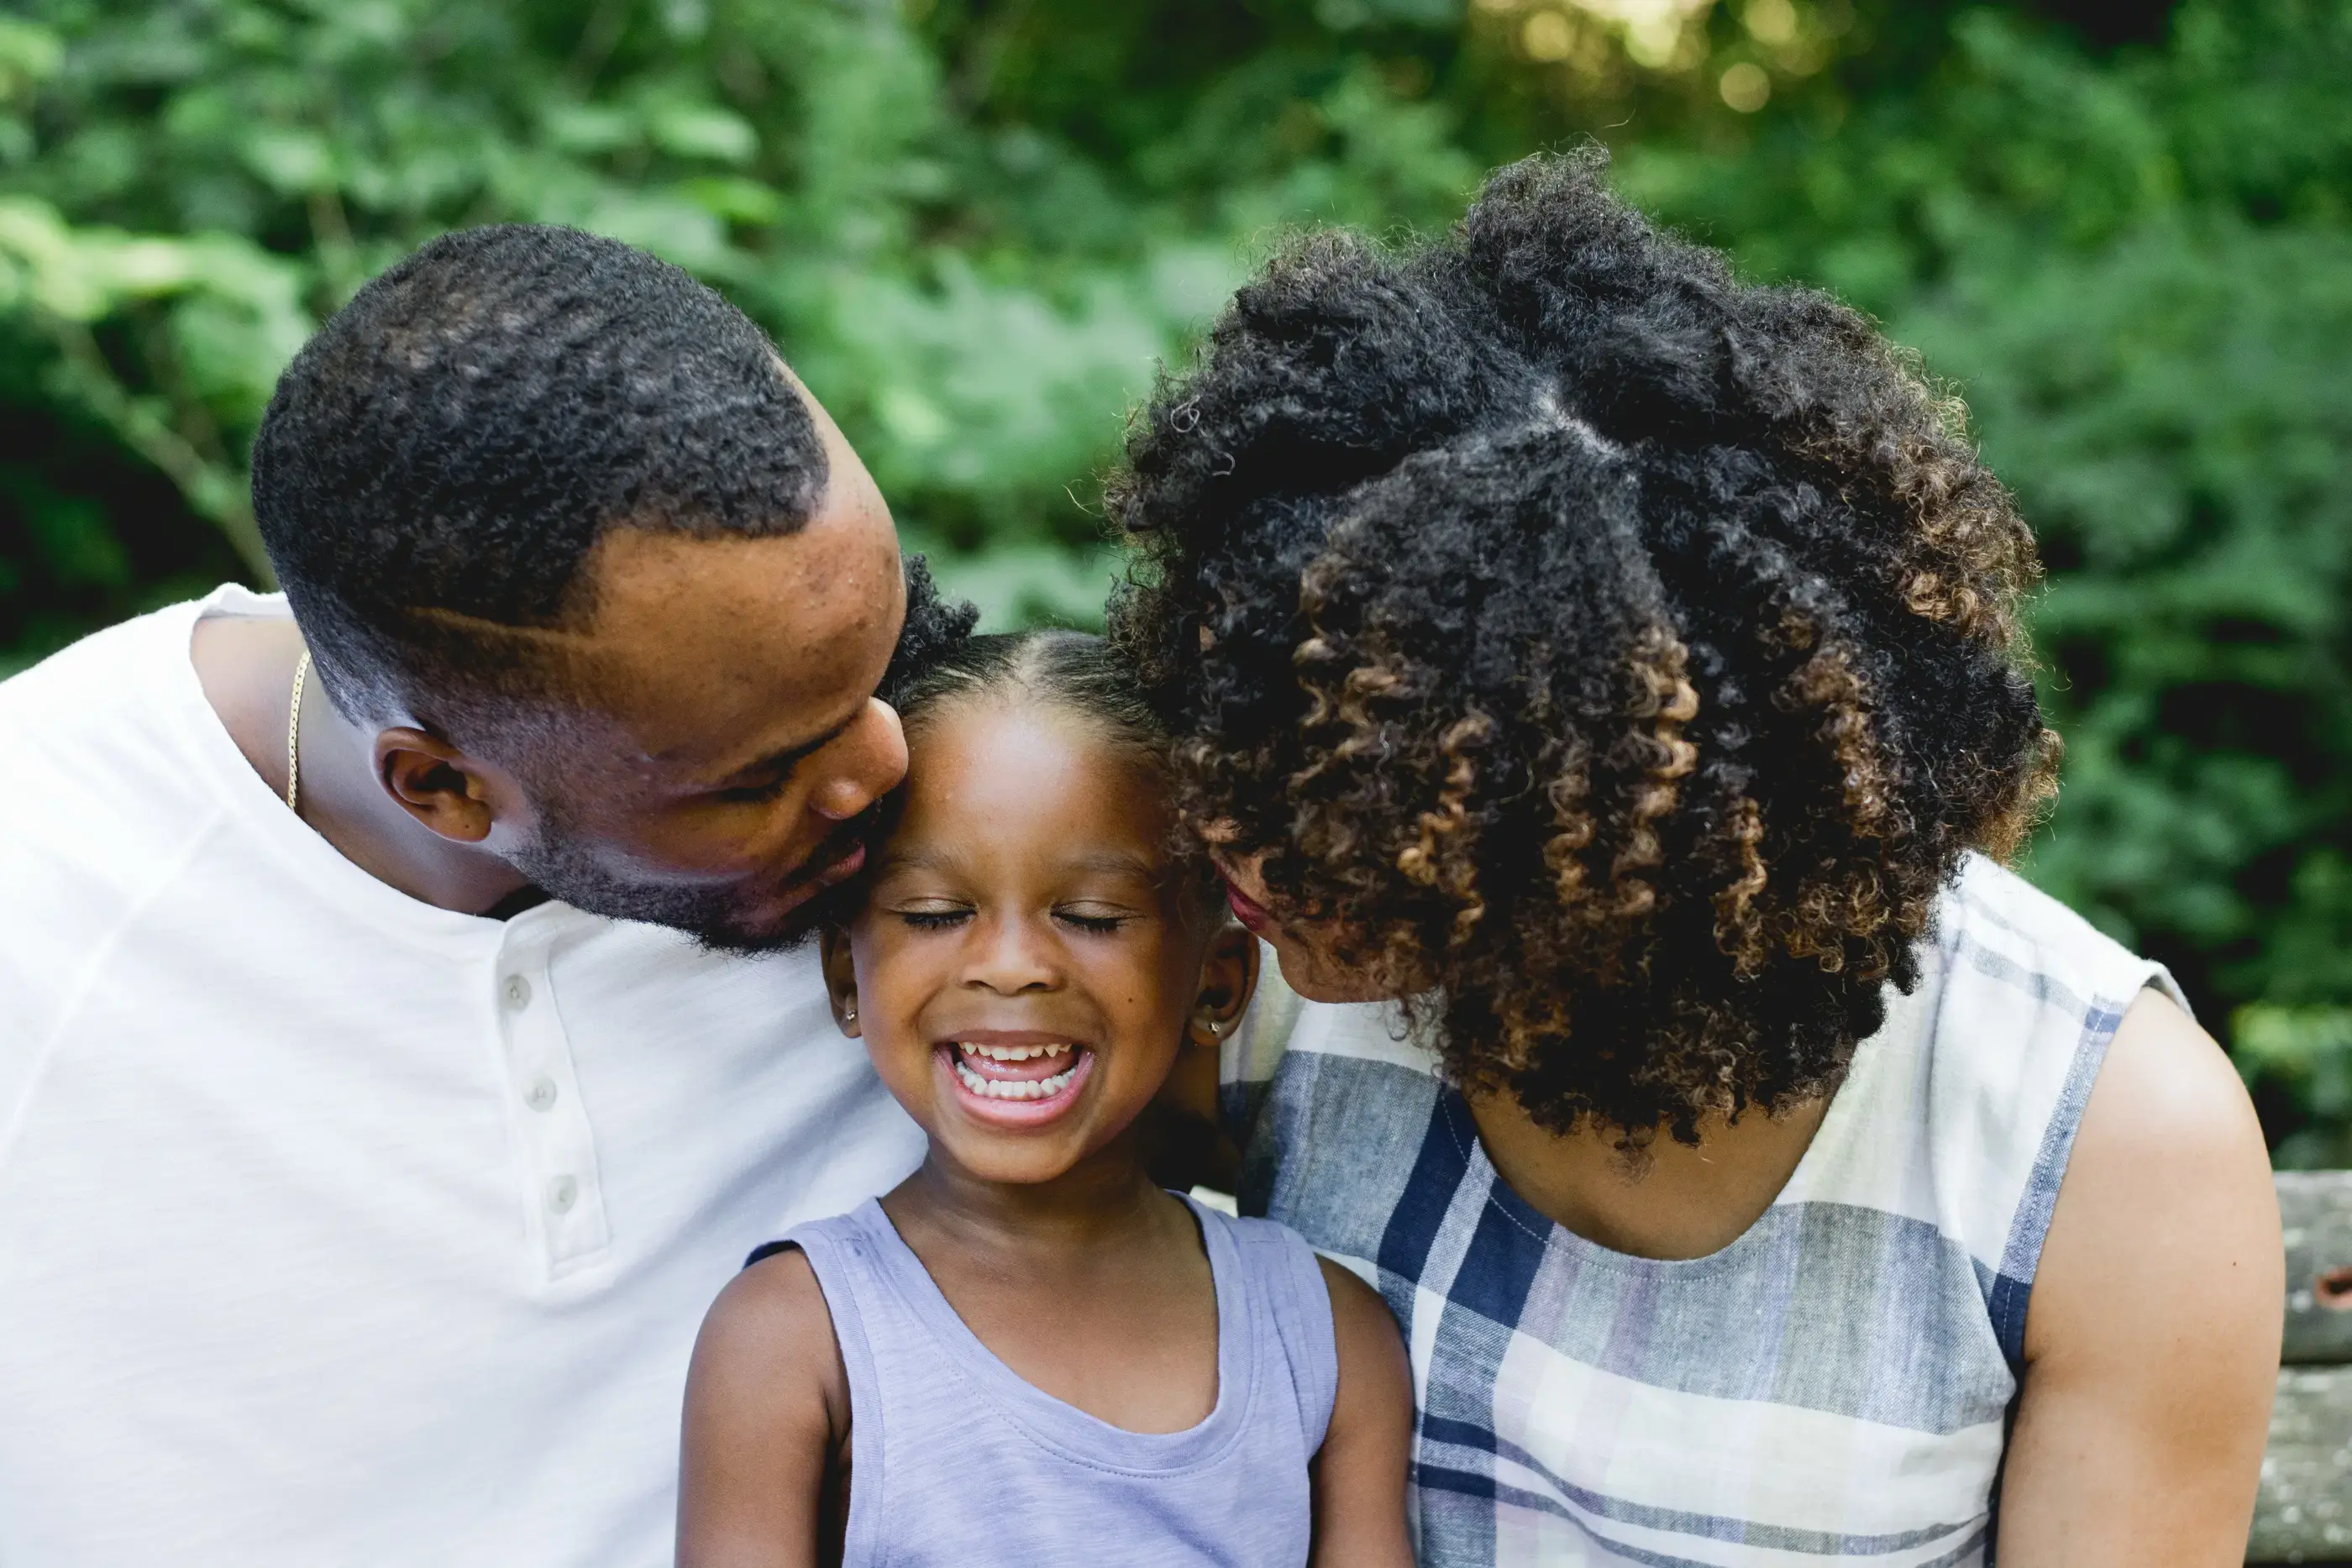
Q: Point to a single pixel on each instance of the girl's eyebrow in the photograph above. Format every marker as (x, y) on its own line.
(1109, 862)
(1116, 862)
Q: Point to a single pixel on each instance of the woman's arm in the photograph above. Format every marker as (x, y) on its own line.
(2152, 1337)
(767, 1424)
(1360, 1475)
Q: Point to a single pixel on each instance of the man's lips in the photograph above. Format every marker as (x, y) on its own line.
(808, 882)
(1248, 910)
(845, 868)
(769, 908)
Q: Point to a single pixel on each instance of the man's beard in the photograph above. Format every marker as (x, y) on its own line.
(560, 864)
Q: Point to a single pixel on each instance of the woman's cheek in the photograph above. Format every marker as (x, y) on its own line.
(1315, 976)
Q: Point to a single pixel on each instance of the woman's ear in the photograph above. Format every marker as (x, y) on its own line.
(1228, 979)
(840, 979)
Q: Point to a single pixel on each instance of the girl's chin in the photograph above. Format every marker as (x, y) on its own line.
(989, 1161)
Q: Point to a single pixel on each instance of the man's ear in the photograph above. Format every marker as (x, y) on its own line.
(1228, 979)
(437, 783)
(840, 979)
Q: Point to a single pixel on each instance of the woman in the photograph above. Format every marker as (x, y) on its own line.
(1612, 672)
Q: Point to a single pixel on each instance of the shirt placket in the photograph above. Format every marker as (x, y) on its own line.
(564, 1197)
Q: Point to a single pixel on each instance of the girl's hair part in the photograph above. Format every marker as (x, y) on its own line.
(1075, 671)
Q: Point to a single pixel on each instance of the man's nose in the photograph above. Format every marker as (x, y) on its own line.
(864, 765)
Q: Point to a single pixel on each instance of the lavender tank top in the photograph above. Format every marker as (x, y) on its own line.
(956, 1462)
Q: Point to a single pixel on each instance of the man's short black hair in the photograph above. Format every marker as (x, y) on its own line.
(439, 460)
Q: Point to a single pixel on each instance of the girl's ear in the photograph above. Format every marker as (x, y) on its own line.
(1186, 1146)
(1228, 979)
(840, 979)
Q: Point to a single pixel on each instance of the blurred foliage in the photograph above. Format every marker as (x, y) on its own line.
(2125, 232)
(976, 293)
(2299, 1061)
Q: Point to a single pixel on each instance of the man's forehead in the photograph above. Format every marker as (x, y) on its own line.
(705, 650)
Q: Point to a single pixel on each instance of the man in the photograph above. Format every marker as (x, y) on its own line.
(368, 1147)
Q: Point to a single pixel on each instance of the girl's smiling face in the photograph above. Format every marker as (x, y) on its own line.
(1029, 961)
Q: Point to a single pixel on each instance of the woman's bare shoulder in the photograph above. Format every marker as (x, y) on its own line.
(2152, 1334)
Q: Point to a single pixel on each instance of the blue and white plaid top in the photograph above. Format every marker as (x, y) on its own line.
(1831, 1387)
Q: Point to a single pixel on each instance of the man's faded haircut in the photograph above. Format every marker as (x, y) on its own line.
(440, 460)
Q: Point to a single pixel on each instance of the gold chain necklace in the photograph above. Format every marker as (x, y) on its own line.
(294, 737)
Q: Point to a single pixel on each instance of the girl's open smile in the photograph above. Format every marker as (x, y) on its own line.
(1015, 1078)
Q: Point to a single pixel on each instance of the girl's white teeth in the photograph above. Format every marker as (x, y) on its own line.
(1011, 1053)
(1015, 1089)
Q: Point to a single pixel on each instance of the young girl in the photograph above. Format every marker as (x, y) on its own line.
(1027, 1353)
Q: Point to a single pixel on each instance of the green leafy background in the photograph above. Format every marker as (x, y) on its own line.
(2123, 232)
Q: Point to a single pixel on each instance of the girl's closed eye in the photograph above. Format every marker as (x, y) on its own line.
(1097, 919)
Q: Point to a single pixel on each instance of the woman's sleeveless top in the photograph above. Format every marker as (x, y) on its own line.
(1832, 1387)
(957, 1462)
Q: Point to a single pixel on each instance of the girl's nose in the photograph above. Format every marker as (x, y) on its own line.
(1011, 955)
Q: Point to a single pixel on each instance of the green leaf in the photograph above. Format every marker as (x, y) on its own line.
(700, 131)
(30, 53)
(291, 161)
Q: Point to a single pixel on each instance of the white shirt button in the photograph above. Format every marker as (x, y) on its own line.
(517, 992)
(541, 1096)
(562, 1194)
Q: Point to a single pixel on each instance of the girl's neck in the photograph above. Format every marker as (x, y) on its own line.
(1094, 1288)
(1105, 1199)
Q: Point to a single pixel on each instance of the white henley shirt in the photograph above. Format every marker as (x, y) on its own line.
(335, 1228)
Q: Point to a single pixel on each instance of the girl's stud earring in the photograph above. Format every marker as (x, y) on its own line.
(849, 1015)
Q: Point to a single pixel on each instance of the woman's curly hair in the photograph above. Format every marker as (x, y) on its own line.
(1620, 654)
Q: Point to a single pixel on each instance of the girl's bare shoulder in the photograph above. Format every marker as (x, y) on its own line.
(1367, 1337)
(768, 1342)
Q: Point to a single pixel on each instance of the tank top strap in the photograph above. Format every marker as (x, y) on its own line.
(1286, 1293)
